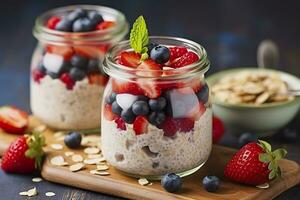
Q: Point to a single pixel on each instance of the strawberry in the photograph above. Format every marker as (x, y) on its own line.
(66, 79)
(187, 59)
(150, 89)
(24, 155)
(65, 51)
(169, 126)
(108, 114)
(37, 75)
(149, 68)
(140, 125)
(13, 120)
(129, 59)
(121, 86)
(197, 111)
(97, 79)
(105, 25)
(218, 129)
(120, 123)
(89, 51)
(185, 124)
(52, 21)
(254, 164)
(176, 52)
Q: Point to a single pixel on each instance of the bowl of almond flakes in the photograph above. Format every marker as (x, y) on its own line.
(259, 101)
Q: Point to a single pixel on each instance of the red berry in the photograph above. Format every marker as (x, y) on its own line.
(98, 79)
(105, 25)
(176, 52)
(121, 86)
(52, 21)
(66, 78)
(218, 129)
(185, 124)
(13, 120)
(197, 111)
(169, 126)
(150, 89)
(108, 114)
(187, 59)
(89, 51)
(65, 51)
(149, 68)
(140, 125)
(120, 123)
(129, 59)
(37, 75)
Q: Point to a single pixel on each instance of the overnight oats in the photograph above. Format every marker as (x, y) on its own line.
(156, 112)
(67, 80)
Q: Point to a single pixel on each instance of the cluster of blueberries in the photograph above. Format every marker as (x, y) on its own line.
(78, 67)
(79, 20)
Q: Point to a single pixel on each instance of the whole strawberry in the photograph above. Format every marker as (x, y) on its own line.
(24, 155)
(254, 164)
(218, 129)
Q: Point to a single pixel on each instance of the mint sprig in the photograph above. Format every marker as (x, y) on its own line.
(139, 37)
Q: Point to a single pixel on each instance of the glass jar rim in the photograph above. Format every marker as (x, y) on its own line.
(43, 33)
(120, 71)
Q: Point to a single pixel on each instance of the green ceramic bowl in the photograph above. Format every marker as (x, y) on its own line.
(263, 120)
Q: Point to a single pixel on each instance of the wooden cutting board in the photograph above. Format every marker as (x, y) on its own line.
(123, 186)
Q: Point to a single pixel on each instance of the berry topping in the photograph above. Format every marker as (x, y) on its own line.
(185, 124)
(140, 108)
(76, 14)
(83, 25)
(120, 86)
(95, 17)
(66, 78)
(140, 125)
(197, 111)
(211, 183)
(120, 123)
(254, 164)
(64, 51)
(246, 138)
(94, 66)
(160, 54)
(171, 182)
(157, 104)
(64, 25)
(37, 75)
(105, 25)
(218, 129)
(150, 89)
(126, 100)
(98, 79)
(176, 52)
(52, 21)
(111, 98)
(156, 118)
(169, 126)
(108, 114)
(150, 46)
(128, 116)
(149, 68)
(73, 140)
(116, 108)
(187, 59)
(129, 59)
(77, 74)
(79, 61)
(13, 120)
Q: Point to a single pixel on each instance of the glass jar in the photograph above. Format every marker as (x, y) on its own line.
(178, 138)
(56, 98)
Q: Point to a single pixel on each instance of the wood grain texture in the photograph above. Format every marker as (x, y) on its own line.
(120, 185)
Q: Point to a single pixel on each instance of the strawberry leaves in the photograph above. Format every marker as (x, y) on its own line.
(35, 144)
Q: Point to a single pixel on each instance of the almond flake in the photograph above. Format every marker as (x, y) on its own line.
(77, 158)
(263, 186)
(58, 134)
(25, 193)
(57, 146)
(58, 161)
(93, 161)
(101, 173)
(32, 192)
(37, 180)
(69, 153)
(76, 167)
(143, 181)
(91, 150)
(102, 167)
(50, 194)
(94, 156)
(40, 128)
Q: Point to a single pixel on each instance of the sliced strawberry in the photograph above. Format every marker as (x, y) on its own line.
(185, 124)
(89, 51)
(97, 79)
(170, 127)
(218, 129)
(65, 51)
(67, 80)
(150, 89)
(140, 125)
(121, 86)
(176, 52)
(197, 111)
(37, 75)
(105, 25)
(149, 68)
(108, 114)
(120, 123)
(187, 59)
(13, 120)
(52, 21)
(193, 84)
(129, 59)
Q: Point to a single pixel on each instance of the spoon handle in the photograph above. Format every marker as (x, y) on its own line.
(267, 54)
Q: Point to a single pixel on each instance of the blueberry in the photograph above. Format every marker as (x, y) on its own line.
(157, 104)
(77, 74)
(150, 46)
(93, 66)
(116, 108)
(79, 62)
(140, 108)
(128, 116)
(111, 98)
(83, 25)
(211, 183)
(64, 25)
(203, 94)
(76, 14)
(73, 140)
(246, 138)
(41, 67)
(171, 182)
(142, 98)
(53, 75)
(95, 17)
(160, 54)
(156, 118)
(66, 66)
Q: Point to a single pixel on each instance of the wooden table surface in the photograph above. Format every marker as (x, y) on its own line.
(227, 30)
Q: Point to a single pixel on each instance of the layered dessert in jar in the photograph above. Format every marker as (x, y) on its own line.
(156, 113)
(67, 80)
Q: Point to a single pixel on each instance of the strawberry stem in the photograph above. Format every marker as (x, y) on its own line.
(35, 144)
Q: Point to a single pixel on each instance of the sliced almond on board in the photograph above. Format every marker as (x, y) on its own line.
(69, 153)
(143, 181)
(50, 194)
(101, 173)
(77, 158)
(40, 128)
(91, 150)
(57, 146)
(58, 161)
(76, 167)
(263, 186)
(93, 161)
(94, 156)
(102, 167)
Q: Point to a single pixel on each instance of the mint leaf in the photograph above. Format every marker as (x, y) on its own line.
(139, 36)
